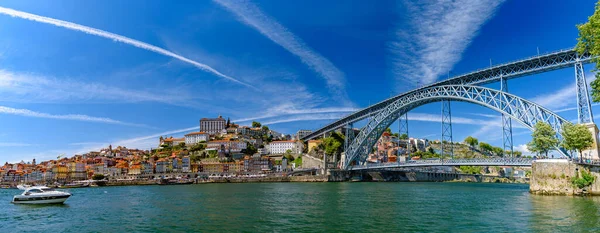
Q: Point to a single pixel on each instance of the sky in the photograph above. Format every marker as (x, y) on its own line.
(76, 76)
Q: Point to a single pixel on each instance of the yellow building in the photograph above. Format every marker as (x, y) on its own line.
(312, 144)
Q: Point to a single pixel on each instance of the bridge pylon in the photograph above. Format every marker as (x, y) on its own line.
(507, 139)
(584, 111)
(403, 129)
(446, 129)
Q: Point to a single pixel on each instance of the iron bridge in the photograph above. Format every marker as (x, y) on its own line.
(518, 162)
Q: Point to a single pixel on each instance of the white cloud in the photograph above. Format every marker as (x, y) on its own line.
(523, 149)
(251, 15)
(20, 87)
(117, 38)
(14, 144)
(441, 30)
(75, 117)
(559, 99)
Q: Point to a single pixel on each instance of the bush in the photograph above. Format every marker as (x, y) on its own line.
(586, 179)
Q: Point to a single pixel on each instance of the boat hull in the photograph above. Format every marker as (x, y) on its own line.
(41, 200)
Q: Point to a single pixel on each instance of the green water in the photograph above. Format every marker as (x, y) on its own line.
(306, 207)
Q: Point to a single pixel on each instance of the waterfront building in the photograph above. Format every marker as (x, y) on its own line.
(196, 137)
(212, 126)
(135, 169)
(257, 164)
(186, 164)
(147, 168)
(280, 147)
(161, 166)
(302, 133)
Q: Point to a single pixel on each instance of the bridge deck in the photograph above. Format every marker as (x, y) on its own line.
(517, 162)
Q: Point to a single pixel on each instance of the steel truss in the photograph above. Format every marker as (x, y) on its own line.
(584, 108)
(523, 111)
(507, 140)
(528, 66)
(447, 130)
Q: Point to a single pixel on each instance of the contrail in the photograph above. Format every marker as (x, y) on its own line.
(115, 37)
(74, 117)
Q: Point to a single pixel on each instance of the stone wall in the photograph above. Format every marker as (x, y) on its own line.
(553, 177)
(311, 162)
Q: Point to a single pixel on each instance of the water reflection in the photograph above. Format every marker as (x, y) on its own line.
(561, 213)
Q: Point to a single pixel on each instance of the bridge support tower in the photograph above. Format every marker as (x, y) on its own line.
(403, 129)
(446, 130)
(507, 139)
(584, 111)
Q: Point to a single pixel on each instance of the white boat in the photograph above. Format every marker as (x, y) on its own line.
(41, 195)
(23, 186)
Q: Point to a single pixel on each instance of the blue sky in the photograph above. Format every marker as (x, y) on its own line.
(79, 75)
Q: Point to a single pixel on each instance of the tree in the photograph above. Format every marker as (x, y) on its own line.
(576, 137)
(250, 149)
(333, 144)
(197, 147)
(388, 130)
(265, 128)
(228, 122)
(589, 41)
(98, 177)
(543, 139)
(498, 151)
(485, 147)
(255, 124)
(471, 141)
(404, 136)
(298, 161)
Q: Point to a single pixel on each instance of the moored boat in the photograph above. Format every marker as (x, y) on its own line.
(41, 195)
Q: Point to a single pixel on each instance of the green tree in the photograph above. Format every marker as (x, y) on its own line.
(388, 130)
(543, 139)
(576, 137)
(333, 144)
(485, 147)
(255, 124)
(397, 135)
(197, 147)
(404, 136)
(250, 149)
(471, 141)
(589, 41)
(228, 122)
(298, 161)
(470, 169)
(498, 151)
(98, 177)
(265, 128)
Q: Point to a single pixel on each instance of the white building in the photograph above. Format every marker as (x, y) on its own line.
(196, 137)
(280, 147)
(212, 126)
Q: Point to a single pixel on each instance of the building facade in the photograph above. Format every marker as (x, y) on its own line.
(212, 126)
(280, 147)
(302, 133)
(195, 137)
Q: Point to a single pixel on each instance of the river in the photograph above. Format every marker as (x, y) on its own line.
(306, 207)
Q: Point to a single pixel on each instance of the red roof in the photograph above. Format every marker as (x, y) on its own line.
(195, 133)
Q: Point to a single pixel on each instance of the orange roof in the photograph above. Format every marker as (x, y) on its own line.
(283, 141)
(314, 140)
(195, 133)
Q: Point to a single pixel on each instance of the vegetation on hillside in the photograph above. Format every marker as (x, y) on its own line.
(589, 41)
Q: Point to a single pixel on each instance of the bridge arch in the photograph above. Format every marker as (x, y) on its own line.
(523, 111)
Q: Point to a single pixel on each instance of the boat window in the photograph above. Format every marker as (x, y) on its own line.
(47, 189)
(34, 191)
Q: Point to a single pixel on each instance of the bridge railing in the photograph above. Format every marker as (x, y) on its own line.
(449, 162)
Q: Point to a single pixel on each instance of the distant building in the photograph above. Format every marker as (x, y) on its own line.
(228, 146)
(302, 133)
(212, 126)
(171, 141)
(195, 137)
(280, 147)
